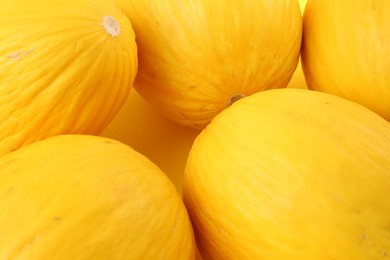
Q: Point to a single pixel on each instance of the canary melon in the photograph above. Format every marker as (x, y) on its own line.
(89, 197)
(198, 57)
(291, 174)
(346, 50)
(65, 67)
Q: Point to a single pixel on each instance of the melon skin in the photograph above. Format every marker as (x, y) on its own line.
(88, 197)
(291, 174)
(196, 57)
(346, 51)
(65, 67)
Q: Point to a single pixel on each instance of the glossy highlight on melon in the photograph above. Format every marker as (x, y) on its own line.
(65, 67)
(89, 197)
(291, 174)
(197, 57)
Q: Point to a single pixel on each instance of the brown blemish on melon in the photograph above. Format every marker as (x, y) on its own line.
(235, 97)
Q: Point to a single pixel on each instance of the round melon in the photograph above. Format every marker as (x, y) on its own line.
(291, 174)
(346, 50)
(197, 57)
(89, 197)
(65, 67)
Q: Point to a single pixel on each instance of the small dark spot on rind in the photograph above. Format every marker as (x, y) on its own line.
(235, 97)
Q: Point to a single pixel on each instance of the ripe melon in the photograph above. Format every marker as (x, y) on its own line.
(198, 57)
(89, 197)
(65, 67)
(346, 50)
(291, 174)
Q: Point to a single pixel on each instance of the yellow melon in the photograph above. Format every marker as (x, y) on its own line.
(65, 67)
(89, 197)
(346, 50)
(198, 57)
(291, 174)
